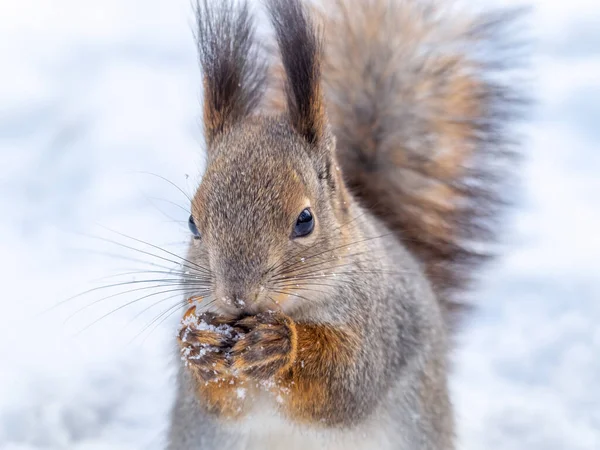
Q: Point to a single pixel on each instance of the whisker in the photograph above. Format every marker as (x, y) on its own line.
(144, 252)
(170, 309)
(287, 267)
(181, 275)
(170, 297)
(177, 263)
(129, 258)
(168, 181)
(118, 294)
(351, 220)
(310, 268)
(303, 287)
(277, 264)
(186, 210)
(173, 309)
(158, 324)
(322, 274)
(199, 267)
(305, 267)
(200, 293)
(274, 302)
(171, 219)
(125, 305)
(109, 286)
(320, 278)
(289, 293)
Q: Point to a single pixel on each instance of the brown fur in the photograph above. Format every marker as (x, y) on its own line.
(392, 129)
(206, 365)
(422, 137)
(220, 397)
(213, 382)
(234, 75)
(268, 347)
(307, 361)
(316, 378)
(301, 55)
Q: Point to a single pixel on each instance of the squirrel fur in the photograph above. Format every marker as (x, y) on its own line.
(389, 122)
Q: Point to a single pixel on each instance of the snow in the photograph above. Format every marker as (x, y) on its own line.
(240, 392)
(99, 104)
(194, 323)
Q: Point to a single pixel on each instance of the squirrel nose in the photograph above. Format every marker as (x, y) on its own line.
(241, 301)
(238, 301)
(237, 289)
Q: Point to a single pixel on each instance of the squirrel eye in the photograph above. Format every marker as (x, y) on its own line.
(304, 224)
(193, 228)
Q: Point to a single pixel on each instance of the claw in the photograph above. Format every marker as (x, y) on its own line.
(195, 299)
(190, 313)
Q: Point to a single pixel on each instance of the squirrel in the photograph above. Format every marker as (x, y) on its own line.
(350, 179)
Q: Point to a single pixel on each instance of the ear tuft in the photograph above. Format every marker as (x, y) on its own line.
(300, 46)
(234, 74)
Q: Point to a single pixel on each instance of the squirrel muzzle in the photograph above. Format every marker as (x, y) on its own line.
(239, 284)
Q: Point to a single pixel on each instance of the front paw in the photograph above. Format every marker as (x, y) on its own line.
(205, 341)
(267, 348)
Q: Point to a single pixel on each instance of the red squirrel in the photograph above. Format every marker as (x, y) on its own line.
(349, 176)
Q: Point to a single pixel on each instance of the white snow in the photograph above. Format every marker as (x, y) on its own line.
(201, 325)
(240, 392)
(99, 101)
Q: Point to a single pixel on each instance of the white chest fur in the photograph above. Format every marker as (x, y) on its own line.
(265, 429)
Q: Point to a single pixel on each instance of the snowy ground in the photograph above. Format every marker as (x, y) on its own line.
(95, 94)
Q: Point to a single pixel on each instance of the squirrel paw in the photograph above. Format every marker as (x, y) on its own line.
(267, 348)
(205, 341)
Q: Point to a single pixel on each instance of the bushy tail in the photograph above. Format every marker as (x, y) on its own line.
(421, 98)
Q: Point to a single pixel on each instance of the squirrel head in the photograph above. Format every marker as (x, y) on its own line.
(272, 196)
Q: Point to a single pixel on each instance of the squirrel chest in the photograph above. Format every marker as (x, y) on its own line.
(264, 427)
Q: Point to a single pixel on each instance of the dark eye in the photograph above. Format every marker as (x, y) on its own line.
(193, 228)
(304, 224)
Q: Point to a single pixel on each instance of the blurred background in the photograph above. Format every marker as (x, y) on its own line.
(100, 142)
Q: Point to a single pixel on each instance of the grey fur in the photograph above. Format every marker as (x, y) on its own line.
(396, 392)
(363, 268)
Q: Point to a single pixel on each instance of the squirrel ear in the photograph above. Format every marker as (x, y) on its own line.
(301, 48)
(234, 75)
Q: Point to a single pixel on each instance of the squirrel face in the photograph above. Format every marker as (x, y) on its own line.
(267, 202)
(265, 176)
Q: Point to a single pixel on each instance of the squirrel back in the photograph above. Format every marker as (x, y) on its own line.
(421, 100)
